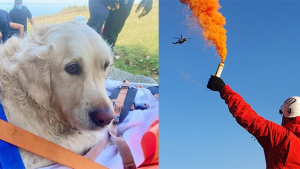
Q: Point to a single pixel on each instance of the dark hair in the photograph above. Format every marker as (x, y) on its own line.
(18, 1)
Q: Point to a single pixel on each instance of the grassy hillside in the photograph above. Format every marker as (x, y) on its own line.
(137, 44)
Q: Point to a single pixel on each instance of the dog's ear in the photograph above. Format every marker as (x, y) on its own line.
(35, 74)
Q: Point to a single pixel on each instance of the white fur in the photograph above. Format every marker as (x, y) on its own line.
(39, 96)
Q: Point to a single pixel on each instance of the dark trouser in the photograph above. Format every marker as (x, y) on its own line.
(98, 15)
(15, 32)
(114, 21)
(4, 32)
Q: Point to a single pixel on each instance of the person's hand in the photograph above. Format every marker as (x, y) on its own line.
(111, 4)
(215, 83)
(147, 5)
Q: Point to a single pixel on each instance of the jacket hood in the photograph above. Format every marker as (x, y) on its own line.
(294, 126)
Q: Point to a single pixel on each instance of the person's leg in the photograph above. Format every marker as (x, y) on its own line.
(13, 33)
(115, 22)
(98, 15)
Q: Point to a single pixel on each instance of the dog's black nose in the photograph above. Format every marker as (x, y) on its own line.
(101, 117)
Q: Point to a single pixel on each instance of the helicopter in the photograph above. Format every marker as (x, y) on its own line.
(180, 40)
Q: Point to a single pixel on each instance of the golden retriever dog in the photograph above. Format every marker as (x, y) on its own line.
(53, 85)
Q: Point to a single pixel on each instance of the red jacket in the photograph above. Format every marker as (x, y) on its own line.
(281, 144)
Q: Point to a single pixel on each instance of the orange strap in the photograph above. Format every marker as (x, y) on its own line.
(95, 151)
(37, 145)
(119, 102)
(125, 153)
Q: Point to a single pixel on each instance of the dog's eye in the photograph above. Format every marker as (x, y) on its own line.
(106, 65)
(73, 68)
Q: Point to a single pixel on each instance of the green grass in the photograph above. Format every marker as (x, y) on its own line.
(137, 40)
(135, 60)
(142, 31)
(137, 44)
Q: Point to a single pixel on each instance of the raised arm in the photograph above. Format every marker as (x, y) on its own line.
(19, 27)
(266, 132)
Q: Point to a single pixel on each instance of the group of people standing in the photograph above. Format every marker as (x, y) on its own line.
(14, 22)
(112, 13)
(108, 17)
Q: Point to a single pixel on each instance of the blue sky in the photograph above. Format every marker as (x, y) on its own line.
(262, 65)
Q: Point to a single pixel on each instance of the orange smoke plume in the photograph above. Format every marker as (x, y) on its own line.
(212, 22)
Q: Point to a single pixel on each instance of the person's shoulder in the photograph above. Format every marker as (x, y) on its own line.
(4, 12)
(24, 7)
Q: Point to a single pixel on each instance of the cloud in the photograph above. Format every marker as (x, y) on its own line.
(187, 77)
(184, 75)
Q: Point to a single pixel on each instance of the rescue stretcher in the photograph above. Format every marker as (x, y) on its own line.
(138, 128)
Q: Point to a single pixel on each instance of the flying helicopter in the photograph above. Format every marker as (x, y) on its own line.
(180, 40)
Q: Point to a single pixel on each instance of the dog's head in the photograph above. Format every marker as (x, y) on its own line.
(63, 67)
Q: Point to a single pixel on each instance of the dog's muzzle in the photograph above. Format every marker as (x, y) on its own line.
(101, 117)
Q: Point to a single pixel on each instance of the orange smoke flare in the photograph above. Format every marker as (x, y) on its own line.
(212, 22)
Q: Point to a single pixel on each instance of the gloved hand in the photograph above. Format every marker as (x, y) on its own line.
(215, 83)
(147, 4)
(111, 4)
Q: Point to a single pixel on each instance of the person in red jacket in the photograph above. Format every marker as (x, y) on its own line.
(281, 143)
